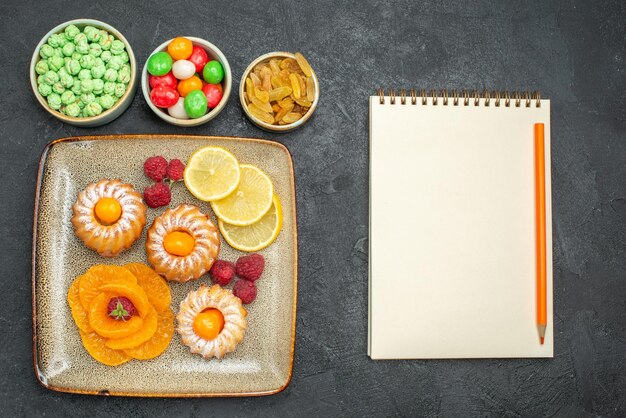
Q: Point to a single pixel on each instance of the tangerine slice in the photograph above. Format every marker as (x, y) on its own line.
(96, 276)
(131, 291)
(159, 342)
(156, 288)
(144, 334)
(94, 344)
(78, 312)
(106, 326)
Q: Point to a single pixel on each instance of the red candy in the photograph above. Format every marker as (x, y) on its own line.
(213, 94)
(199, 58)
(164, 96)
(164, 80)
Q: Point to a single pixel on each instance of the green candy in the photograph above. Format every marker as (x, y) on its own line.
(66, 59)
(58, 88)
(54, 101)
(72, 110)
(86, 85)
(71, 31)
(109, 88)
(68, 97)
(53, 41)
(120, 89)
(93, 109)
(98, 86)
(80, 103)
(62, 71)
(55, 63)
(76, 87)
(87, 98)
(72, 67)
(58, 52)
(67, 80)
(97, 71)
(110, 75)
(124, 57)
(44, 89)
(50, 77)
(62, 41)
(115, 62)
(123, 75)
(93, 34)
(41, 79)
(87, 61)
(84, 74)
(213, 72)
(46, 51)
(106, 101)
(82, 47)
(106, 42)
(117, 47)
(105, 56)
(81, 38)
(99, 63)
(159, 63)
(95, 50)
(41, 67)
(195, 104)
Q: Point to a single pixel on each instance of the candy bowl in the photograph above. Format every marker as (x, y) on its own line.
(186, 81)
(279, 91)
(83, 72)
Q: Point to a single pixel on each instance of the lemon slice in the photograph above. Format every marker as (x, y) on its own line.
(250, 200)
(212, 173)
(257, 236)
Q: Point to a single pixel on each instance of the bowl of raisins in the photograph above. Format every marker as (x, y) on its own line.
(279, 91)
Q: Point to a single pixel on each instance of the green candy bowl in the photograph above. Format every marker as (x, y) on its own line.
(107, 115)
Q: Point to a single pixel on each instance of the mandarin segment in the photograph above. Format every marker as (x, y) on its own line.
(141, 336)
(96, 276)
(78, 312)
(104, 325)
(153, 284)
(159, 342)
(95, 345)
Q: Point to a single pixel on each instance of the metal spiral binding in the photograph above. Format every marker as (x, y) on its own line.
(465, 98)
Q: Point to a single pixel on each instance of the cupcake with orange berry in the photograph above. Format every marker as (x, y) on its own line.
(109, 216)
(182, 243)
(211, 321)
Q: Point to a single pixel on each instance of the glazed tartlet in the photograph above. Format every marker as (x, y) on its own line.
(109, 216)
(182, 243)
(211, 321)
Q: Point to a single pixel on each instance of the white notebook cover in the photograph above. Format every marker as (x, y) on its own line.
(452, 231)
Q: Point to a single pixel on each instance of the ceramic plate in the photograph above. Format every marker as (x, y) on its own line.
(262, 362)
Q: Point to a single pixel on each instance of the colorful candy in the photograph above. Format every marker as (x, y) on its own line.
(175, 80)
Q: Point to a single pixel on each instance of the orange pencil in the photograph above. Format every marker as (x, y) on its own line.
(540, 204)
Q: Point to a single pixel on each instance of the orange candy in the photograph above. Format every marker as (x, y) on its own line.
(187, 86)
(108, 210)
(208, 323)
(179, 243)
(180, 48)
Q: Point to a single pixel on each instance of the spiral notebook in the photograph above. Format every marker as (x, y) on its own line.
(452, 226)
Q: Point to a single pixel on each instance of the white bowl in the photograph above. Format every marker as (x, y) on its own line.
(108, 115)
(264, 125)
(214, 53)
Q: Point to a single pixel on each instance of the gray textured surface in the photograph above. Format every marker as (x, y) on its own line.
(573, 52)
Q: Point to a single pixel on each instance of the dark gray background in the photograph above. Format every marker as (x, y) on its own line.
(573, 52)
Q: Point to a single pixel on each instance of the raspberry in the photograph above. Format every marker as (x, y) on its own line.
(157, 195)
(222, 272)
(121, 308)
(250, 267)
(245, 290)
(155, 168)
(175, 170)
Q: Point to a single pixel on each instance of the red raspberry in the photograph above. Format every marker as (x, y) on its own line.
(175, 170)
(155, 168)
(157, 195)
(250, 267)
(121, 308)
(222, 272)
(245, 290)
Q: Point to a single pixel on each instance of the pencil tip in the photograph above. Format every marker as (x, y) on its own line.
(541, 339)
